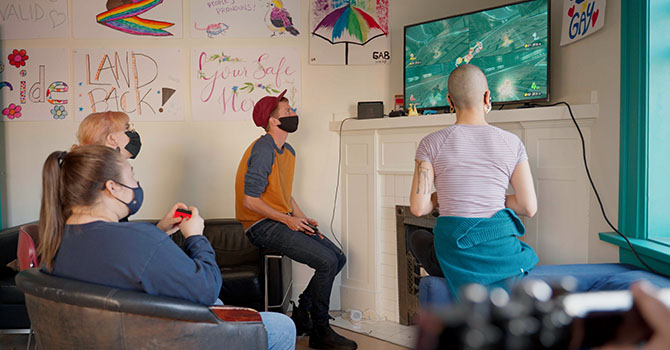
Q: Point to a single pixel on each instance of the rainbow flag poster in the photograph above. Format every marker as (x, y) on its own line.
(126, 18)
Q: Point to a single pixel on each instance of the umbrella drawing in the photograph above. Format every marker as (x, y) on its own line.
(359, 27)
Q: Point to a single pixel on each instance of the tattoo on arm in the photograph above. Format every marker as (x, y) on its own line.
(423, 181)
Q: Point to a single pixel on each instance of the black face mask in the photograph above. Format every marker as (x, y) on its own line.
(134, 145)
(289, 124)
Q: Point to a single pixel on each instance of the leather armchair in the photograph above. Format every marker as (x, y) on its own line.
(68, 314)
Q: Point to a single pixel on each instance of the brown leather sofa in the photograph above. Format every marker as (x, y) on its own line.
(242, 269)
(68, 314)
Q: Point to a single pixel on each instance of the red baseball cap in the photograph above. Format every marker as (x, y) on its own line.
(264, 107)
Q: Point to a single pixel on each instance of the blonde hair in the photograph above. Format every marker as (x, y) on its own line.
(75, 178)
(94, 129)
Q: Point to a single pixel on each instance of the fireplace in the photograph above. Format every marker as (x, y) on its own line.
(409, 270)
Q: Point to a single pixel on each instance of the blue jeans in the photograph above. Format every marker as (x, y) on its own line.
(314, 251)
(279, 327)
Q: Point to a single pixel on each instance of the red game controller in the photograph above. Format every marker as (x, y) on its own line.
(185, 214)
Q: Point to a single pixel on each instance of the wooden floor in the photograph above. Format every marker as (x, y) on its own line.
(18, 342)
(364, 342)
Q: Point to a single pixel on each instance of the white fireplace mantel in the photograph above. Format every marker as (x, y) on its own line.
(556, 115)
(377, 168)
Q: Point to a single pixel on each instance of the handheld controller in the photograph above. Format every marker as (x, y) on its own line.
(184, 213)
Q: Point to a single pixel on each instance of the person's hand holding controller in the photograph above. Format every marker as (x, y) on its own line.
(193, 226)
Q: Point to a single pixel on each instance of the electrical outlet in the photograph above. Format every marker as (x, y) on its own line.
(594, 96)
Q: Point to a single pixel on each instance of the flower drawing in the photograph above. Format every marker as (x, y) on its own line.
(59, 112)
(18, 58)
(13, 111)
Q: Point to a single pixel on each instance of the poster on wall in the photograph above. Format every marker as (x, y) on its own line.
(34, 84)
(581, 18)
(126, 19)
(245, 18)
(144, 83)
(225, 83)
(33, 19)
(349, 32)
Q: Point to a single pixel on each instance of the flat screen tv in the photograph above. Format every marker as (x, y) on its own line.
(509, 43)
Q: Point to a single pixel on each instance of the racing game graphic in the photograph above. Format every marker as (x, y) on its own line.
(509, 44)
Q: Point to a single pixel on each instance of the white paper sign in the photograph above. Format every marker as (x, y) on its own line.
(127, 18)
(144, 83)
(349, 32)
(581, 18)
(34, 84)
(33, 19)
(245, 18)
(226, 83)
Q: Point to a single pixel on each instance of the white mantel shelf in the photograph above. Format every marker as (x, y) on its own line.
(520, 115)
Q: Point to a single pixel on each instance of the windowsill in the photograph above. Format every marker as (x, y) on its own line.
(655, 254)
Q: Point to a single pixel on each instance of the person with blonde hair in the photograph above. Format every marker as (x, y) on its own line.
(114, 130)
(111, 129)
(85, 193)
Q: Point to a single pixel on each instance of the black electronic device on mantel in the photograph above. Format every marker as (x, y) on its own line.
(370, 110)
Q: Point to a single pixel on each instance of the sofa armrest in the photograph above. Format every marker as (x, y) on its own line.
(236, 314)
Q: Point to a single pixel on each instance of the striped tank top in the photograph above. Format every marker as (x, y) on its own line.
(473, 165)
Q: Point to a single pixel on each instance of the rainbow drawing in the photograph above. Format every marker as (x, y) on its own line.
(124, 18)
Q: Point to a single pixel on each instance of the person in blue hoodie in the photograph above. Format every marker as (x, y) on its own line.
(85, 192)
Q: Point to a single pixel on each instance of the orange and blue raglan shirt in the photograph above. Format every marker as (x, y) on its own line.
(265, 172)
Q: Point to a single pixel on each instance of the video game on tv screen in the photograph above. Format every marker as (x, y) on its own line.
(510, 44)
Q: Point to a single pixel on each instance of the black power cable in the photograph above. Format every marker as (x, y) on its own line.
(337, 186)
(588, 173)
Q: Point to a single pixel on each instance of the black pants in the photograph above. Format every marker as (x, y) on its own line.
(422, 246)
(316, 252)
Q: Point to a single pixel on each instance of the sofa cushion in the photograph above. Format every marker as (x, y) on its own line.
(240, 283)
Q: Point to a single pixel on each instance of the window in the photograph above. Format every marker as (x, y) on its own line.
(644, 164)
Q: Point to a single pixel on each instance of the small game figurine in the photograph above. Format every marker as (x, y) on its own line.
(412, 110)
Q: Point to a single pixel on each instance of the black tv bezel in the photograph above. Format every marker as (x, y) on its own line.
(495, 103)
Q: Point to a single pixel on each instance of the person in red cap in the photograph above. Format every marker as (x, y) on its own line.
(272, 219)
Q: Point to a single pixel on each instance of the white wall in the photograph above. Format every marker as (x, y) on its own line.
(591, 64)
(196, 162)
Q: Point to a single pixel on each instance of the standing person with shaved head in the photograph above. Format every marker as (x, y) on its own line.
(471, 164)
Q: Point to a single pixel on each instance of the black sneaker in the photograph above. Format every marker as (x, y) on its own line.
(303, 323)
(324, 337)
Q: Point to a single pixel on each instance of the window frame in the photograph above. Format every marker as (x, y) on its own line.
(634, 142)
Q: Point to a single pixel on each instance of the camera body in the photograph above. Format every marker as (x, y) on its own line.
(535, 315)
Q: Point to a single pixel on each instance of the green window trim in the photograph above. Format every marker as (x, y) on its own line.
(654, 254)
(634, 161)
(633, 125)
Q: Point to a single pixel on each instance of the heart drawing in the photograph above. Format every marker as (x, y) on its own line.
(57, 18)
(594, 17)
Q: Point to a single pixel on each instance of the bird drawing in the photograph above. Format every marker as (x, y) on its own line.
(279, 20)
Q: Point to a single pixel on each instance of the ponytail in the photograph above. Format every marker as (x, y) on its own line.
(70, 180)
(51, 211)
